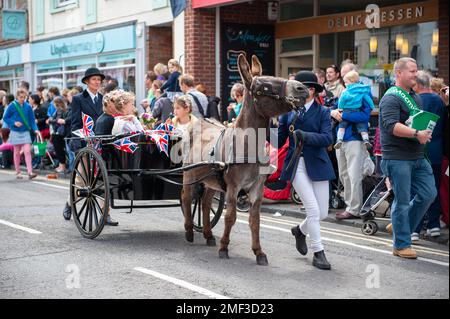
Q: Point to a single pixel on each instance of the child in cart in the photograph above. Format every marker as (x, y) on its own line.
(125, 121)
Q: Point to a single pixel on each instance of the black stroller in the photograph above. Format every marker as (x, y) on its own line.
(381, 195)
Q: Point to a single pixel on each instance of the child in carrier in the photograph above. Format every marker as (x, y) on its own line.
(351, 100)
(125, 121)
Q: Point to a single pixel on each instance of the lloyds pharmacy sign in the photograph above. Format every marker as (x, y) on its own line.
(66, 49)
(115, 39)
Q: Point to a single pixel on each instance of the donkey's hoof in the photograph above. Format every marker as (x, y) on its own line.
(211, 242)
(189, 236)
(262, 260)
(223, 254)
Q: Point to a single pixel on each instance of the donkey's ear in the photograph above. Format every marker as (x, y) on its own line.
(244, 70)
(256, 66)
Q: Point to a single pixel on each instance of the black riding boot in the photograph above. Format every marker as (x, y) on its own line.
(67, 212)
(300, 240)
(320, 261)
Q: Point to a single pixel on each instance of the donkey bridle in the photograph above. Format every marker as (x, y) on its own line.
(265, 89)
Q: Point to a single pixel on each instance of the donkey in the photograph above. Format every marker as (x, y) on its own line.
(265, 97)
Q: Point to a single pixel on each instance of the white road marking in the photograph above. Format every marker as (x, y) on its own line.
(350, 244)
(54, 186)
(181, 283)
(26, 229)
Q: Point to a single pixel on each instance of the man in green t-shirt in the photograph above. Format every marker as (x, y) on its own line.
(404, 157)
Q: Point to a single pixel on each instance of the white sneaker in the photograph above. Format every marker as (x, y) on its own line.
(415, 237)
(434, 232)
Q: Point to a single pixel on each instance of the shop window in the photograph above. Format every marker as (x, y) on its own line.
(74, 79)
(296, 10)
(376, 61)
(113, 60)
(126, 77)
(9, 4)
(79, 64)
(298, 44)
(49, 67)
(335, 48)
(48, 81)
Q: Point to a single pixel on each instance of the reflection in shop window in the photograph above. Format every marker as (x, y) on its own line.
(48, 81)
(413, 41)
(126, 77)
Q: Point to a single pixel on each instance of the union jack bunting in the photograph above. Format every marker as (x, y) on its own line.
(125, 145)
(162, 142)
(88, 125)
(165, 127)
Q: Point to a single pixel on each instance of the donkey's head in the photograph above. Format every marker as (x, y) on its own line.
(273, 96)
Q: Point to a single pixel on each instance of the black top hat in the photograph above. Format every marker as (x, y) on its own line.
(92, 72)
(309, 79)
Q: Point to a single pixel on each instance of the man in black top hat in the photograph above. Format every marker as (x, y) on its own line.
(90, 103)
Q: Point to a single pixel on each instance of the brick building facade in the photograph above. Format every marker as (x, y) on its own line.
(159, 45)
(200, 40)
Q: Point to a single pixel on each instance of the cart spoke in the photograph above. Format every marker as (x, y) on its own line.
(98, 197)
(91, 211)
(81, 176)
(82, 208)
(86, 215)
(96, 176)
(85, 170)
(101, 212)
(89, 168)
(93, 170)
(78, 200)
(95, 215)
(98, 187)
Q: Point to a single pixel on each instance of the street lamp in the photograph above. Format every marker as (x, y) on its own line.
(373, 44)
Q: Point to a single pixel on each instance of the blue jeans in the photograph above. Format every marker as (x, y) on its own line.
(434, 212)
(409, 177)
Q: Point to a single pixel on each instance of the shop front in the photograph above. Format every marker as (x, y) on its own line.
(334, 35)
(11, 69)
(61, 62)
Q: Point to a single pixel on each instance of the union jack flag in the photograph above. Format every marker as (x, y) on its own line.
(88, 125)
(165, 127)
(125, 145)
(162, 142)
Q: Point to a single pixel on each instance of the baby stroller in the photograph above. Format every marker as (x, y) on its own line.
(380, 194)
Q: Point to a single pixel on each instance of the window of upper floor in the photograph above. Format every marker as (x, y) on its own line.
(62, 5)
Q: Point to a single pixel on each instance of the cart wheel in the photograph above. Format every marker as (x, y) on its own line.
(242, 204)
(294, 197)
(215, 211)
(369, 228)
(89, 193)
